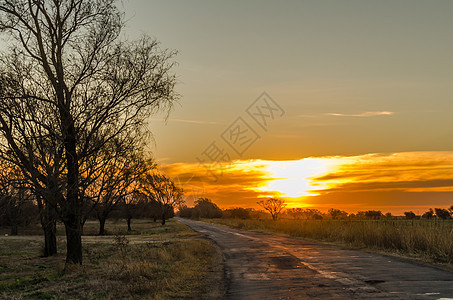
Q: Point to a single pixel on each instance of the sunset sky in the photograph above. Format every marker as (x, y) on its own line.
(357, 112)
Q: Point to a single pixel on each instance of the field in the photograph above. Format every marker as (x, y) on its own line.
(427, 240)
(151, 262)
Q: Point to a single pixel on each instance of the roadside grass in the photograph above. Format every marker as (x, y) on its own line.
(152, 262)
(427, 240)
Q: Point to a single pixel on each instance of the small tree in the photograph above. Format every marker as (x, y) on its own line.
(163, 190)
(312, 213)
(205, 208)
(429, 214)
(373, 214)
(274, 206)
(16, 200)
(236, 213)
(410, 215)
(442, 213)
(296, 213)
(337, 214)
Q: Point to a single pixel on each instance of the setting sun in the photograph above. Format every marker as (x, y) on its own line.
(295, 178)
(351, 182)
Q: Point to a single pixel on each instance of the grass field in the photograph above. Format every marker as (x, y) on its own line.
(428, 240)
(151, 262)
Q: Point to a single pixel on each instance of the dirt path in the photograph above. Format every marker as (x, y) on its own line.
(262, 266)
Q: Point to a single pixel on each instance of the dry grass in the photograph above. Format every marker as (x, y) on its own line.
(154, 263)
(430, 240)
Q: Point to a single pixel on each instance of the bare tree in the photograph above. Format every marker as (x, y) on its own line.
(274, 206)
(297, 213)
(337, 213)
(72, 86)
(428, 214)
(117, 179)
(410, 215)
(132, 206)
(442, 213)
(15, 198)
(163, 190)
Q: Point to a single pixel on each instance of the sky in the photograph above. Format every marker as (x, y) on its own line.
(346, 84)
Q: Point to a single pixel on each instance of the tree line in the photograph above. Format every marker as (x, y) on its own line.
(74, 99)
(275, 208)
(151, 195)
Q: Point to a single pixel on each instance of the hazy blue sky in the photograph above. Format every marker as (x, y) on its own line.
(334, 67)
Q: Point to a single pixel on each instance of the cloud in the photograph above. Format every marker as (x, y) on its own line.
(193, 121)
(198, 122)
(384, 181)
(228, 185)
(405, 171)
(364, 114)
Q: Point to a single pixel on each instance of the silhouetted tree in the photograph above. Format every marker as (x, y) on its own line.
(274, 206)
(132, 206)
(442, 213)
(313, 213)
(16, 207)
(337, 214)
(162, 190)
(71, 85)
(361, 214)
(429, 214)
(296, 213)
(205, 208)
(373, 214)
(185, 212)
(117, 179)
(410, 215)
(236, 213)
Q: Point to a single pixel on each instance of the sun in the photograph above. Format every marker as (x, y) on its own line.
(293, 179)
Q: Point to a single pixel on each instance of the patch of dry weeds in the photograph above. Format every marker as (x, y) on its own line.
(154, 263)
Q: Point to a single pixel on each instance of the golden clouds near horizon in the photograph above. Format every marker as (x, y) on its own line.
(308, 181)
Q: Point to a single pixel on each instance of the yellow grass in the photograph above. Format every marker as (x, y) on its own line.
(157, 262)
(425, 239)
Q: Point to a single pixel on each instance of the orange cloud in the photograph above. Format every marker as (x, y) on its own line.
(390, 182)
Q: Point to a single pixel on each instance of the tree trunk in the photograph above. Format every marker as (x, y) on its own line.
(82, 223)
(72, 205)
(163, 219)
(129, 224)
(101, 225)
(50, 236)
(14, 230)
(73, 239)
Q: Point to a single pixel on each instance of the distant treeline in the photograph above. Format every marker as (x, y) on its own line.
(205, 208)
(16, 214)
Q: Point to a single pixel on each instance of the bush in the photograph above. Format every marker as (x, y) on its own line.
(236, 213)
(205, 208)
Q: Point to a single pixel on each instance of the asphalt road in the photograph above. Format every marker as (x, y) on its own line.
(262, 266)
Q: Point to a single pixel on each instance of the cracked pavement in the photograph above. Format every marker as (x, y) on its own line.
(264, 266)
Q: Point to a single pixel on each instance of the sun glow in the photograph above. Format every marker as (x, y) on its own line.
(368, 181)
(295, 178)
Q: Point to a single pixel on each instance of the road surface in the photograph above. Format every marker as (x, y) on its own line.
(263, 266)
